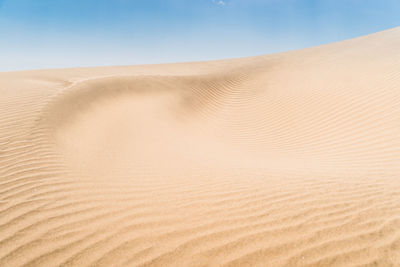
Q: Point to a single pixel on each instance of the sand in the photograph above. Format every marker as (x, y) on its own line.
(290, 159)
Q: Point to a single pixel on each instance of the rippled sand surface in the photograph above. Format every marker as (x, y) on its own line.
(290, 159)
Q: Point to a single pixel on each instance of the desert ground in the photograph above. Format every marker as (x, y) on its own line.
(290, 159)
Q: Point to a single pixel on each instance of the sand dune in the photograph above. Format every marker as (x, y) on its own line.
(290, 159)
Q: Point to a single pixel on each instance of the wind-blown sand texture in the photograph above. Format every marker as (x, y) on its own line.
(290, 159)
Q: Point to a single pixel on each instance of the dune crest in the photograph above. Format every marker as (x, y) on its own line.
(280, 160)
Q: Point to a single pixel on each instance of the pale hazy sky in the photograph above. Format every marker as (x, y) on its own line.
(37, 34)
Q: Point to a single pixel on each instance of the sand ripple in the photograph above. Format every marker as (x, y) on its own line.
(280, 160)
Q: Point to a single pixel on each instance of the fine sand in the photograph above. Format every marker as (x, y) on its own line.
(290, 159)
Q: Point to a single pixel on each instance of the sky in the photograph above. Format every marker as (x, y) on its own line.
(41, 34)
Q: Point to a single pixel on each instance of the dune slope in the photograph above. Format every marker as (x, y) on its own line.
(290, 159)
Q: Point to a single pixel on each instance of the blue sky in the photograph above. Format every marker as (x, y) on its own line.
(37, 34)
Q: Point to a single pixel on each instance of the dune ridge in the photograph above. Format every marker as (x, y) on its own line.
(289, 159)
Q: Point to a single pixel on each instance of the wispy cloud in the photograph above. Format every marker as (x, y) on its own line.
(219, 2)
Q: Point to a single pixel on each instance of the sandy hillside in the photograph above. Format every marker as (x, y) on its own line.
(290, 159)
